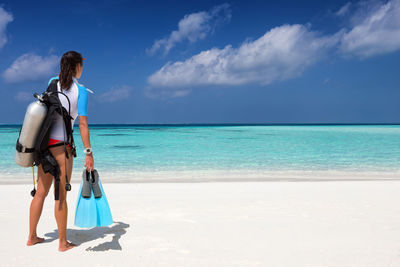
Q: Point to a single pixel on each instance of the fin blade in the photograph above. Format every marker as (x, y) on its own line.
(104, 216)
(85, 213)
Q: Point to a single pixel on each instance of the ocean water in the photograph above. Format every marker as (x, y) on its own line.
(227, 149)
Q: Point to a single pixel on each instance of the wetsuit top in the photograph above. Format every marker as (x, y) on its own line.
(78, 96)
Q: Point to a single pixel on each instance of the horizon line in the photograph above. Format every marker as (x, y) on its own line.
(221, 124)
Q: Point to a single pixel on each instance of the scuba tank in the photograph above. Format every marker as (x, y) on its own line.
(32, 144)
(34, 117)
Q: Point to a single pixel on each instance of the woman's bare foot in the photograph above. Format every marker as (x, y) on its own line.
(66, 247)
(34, 240)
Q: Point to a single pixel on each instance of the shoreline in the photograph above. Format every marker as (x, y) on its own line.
(207, 176)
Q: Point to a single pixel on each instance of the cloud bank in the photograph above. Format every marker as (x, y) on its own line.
(377, 30)
(24, 96)
(283, 52)
(193, 27)
(30, 67)
(115, 94)
(5, 18)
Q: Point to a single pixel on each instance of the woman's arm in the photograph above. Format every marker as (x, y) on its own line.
(84, 129)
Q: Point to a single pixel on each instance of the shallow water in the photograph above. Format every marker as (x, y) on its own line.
(352, 148)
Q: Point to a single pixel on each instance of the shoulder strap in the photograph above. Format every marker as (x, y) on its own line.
(52, 86)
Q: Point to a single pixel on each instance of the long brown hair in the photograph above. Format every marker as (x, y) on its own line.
(68, 64)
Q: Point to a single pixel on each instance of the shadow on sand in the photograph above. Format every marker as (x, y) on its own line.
(80, 237)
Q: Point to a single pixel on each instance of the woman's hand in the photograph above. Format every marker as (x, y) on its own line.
(89, 162)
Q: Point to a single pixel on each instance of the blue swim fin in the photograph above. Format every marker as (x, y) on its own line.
(85, 213)
(104, 217)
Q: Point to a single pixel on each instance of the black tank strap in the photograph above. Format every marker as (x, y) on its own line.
(23, 149)
(57, 187)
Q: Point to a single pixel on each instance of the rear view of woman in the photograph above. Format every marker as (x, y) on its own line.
(71, 67)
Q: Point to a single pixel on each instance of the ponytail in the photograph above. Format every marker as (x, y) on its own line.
(68, 64)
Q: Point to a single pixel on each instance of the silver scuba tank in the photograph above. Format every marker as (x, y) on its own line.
(34, 116)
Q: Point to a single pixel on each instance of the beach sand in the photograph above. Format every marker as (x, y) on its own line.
(330, 223)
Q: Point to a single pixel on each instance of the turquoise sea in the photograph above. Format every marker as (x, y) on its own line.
(226, 148)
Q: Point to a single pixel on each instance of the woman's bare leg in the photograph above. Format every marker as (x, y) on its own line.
(43, 186)
(61, 207)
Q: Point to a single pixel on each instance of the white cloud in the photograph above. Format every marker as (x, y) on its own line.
(30, 67)
(5, 18)
(376, 30)
(24, 96)
(115, 94)
(156, 93)
(343, 10)
(193, 27)
(281, 53)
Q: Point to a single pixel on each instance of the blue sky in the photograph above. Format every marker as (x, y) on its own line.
(209, 61)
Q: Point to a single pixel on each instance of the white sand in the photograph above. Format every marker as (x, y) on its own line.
(218, 224)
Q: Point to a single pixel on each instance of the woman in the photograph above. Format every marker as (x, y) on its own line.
(71, 66)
